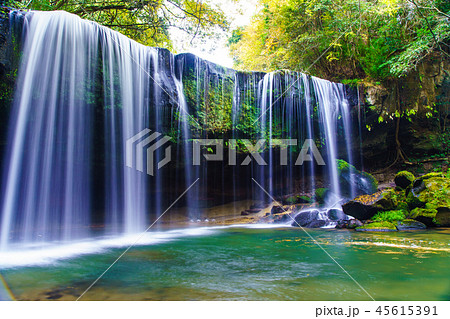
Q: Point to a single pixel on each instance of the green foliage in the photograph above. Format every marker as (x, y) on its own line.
(423, 212)
(320, 195)
(211, 98)
(297, 199)
(146, 21)
(6, 88)
(343, 40)
(390, 216)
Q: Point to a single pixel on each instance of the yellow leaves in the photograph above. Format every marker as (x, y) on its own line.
(202, 13)
(390, 6)
(331, 57)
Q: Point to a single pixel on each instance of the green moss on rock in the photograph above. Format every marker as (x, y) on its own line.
(424, 215)
(297, 199)
(378, 227)
(434, 192)
(350, 177)
(414, 201)
(404, 179)
(431, 175)
(320, 195)
(423, 212)
(388, 200)
(402, 205)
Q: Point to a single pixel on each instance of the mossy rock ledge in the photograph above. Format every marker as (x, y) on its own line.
(364, 207)
(378, 227)
(296, 199)
(424, 202)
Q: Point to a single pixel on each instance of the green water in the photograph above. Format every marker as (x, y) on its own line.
(252, 264)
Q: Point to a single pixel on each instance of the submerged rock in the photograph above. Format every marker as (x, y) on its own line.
(353, 223)
(410, 224)
(317, 224)
(282, 218)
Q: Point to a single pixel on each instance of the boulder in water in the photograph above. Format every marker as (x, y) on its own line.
(305, 218)
(410, 224)
(336, 214)
(351, 178)
(363, 207)
(353, 223)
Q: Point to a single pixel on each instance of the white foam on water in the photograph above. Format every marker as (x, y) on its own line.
(41, 254)
(52, 253)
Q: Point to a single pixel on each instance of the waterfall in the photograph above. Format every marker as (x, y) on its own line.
(84, 90)
(46, 187)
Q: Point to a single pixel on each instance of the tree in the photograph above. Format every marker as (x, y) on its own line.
(338, 40)
(146, 21)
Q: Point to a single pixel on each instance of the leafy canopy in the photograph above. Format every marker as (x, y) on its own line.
(338, 40)
(146, 21)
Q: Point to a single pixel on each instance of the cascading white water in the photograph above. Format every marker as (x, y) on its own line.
(47, 184)
(46, 189)
(127, 82)
(66, 155)
(309, 115)
(329, 102)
